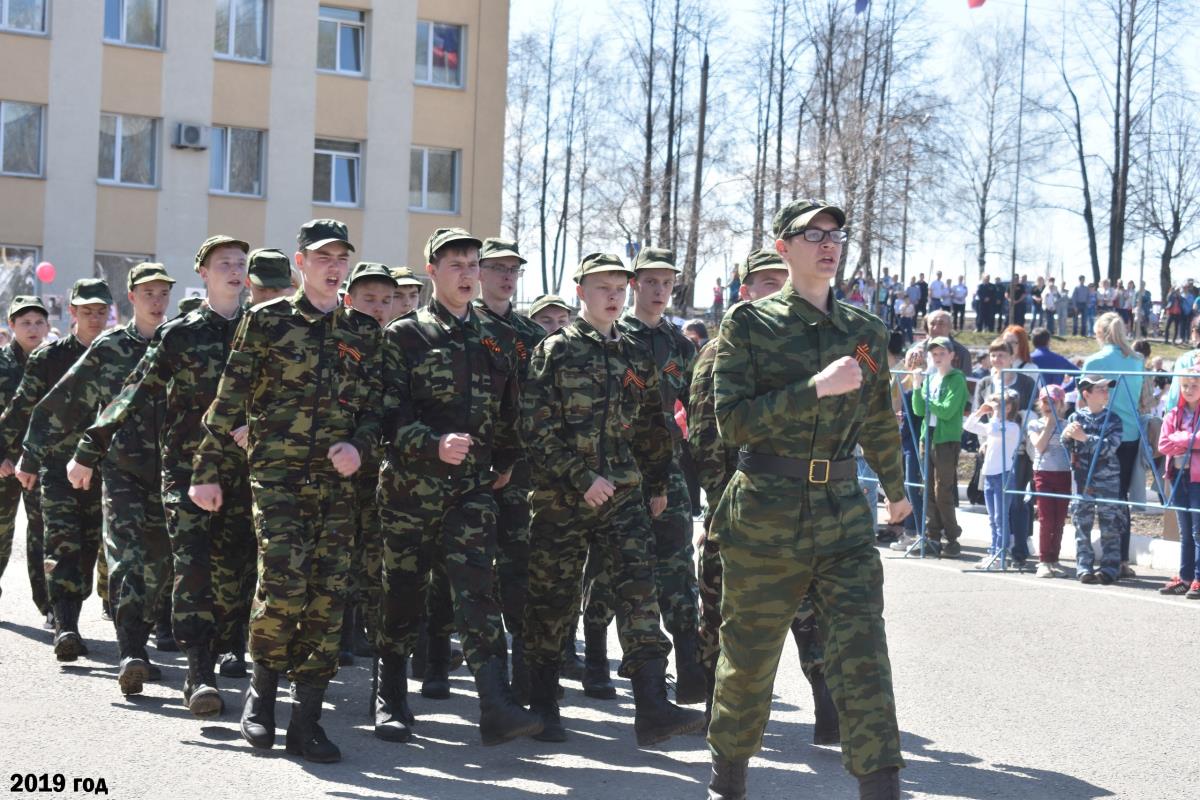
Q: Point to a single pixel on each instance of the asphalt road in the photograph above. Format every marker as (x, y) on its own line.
(1008, 686)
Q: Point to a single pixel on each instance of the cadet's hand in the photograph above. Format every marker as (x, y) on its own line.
(345, 459)
(241, 436)
(206, 496)
(28, 480)
(841, 377)
(601, 492)
(657, 506)
(79, 475)
(898, 511)
(453, 447)
(503, 480)
(6, 468)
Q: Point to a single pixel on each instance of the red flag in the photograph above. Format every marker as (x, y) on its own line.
(975, 3)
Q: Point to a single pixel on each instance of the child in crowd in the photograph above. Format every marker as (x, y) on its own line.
(1177, 442)
(1051, 474)
(908, 314)
(1091, 437)
(941, 404)
(1000, 435)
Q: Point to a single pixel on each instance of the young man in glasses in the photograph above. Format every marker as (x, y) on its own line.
(800, 380)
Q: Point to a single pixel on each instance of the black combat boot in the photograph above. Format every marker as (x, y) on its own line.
(436, 685)
(68, 645)
(728, 779)
(656, 718)
(164, 638)
(572, 666)
(305, 736)
(133, 671)
(882, 784)
(543, 701)
(258, 712)
(421, 650)
(362, 645)
(520, 672)
(392, 714)
(689, 685)
(825, 727)
(140, 631)
(500, 718)
(597, 682)
(200, 693)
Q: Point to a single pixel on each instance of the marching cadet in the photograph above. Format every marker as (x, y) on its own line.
(212, 555)
(408, 292)
(303, 377)
(451, 433)
(551, 312)
(800, 380)
(30, 322)
(72, 519)
(599, 449)
(269, 273)
(762, 274)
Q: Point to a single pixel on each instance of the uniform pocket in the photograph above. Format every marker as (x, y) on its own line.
(751, 514)
(579, 394)
(434, 376)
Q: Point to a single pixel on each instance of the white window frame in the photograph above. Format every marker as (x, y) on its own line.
(265, 15)
(424, 208)
(462, 56)
(39, 32)
(158, 45)
(41, 170)
(224, 130)
(115, 180)
(337, 39)
(335, 154)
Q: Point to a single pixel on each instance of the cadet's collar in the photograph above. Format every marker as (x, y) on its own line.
(212, 316)
(131, 330)
(810, 314)
(481, 305)
(588, 330)
(451, 322)
(631, 319)
(306, 309)
(19, 353)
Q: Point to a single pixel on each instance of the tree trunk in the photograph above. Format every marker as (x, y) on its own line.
(545, 182)
(685, 296)
(648, 132)
(664, 212)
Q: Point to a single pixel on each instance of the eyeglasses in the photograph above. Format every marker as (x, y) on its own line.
(818, 235)
(514, 271)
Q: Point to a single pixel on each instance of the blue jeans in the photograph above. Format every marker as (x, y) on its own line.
(1079, 325)
(1189, 531)
(913, 483)
(995, 500)
(906, 327)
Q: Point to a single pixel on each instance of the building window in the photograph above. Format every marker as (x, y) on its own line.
(237, 161)
(128, 149)
(135, 22)
(433, 180)
(336, 171)
(341, 34)
(440, 50)
(28, 16)
(20, 139)
(114, 269)
(241, 30)
(17, 264)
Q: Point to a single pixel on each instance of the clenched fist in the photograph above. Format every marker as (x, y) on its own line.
(841, 377)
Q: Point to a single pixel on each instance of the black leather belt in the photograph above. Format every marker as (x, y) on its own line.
(816, 470)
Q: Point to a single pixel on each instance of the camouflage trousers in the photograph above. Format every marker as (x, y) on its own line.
(804, 626)
(366, 566)
(212, 556)
(73, 522)
(1111, 518)
(11, 494)
(512, 549)
(561, 531)
(305, 533)
(423, 518)
(136, 547)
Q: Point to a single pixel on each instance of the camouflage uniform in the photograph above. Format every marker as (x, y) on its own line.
(304, 380)
(12, 367)
(1097, 456)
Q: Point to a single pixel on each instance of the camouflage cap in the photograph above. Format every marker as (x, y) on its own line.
(24, 302)
(546, 301)
(90, 290)
(406, 277)
(763, 258)
(370, 269)
(270, 269)
(601, 262)
(213, 242)
(319, 232)
(792, 218)
(187, 304)
(655, 258)
(495, 247)
(444, 236)
(147, 272)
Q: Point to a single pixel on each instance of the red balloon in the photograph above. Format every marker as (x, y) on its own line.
(46, 272)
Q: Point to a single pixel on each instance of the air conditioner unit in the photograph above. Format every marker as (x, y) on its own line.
(190, 136)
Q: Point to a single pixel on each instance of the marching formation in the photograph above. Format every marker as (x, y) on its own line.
(331, 468)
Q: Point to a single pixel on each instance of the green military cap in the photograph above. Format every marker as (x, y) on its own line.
(90, 290)
(24, 302)
(793, 217)
(655, 258)
(546, 301)
(269, 268)
(406, 277)
(213, 242)
(370, 269)
(495, 247)
(320, 232)
(938, 341)
(444, 236)
(187, 304)
(146, 272)
(601, 262)
(764, 258)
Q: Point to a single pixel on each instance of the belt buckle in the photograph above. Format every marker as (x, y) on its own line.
(818, 462)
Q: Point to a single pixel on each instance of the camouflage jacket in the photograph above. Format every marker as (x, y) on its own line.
(528, 333)
(445, 375)
(673, 355)
(42, 370)
(1098, 454)
(178, 374)
(715, 462)
(593, 408)
(62, 416)
(304, 380)
(12, 367)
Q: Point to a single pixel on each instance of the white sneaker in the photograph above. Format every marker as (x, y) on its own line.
(1058, 570)
(985, 562)
(903, 543)
(1044, 570)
